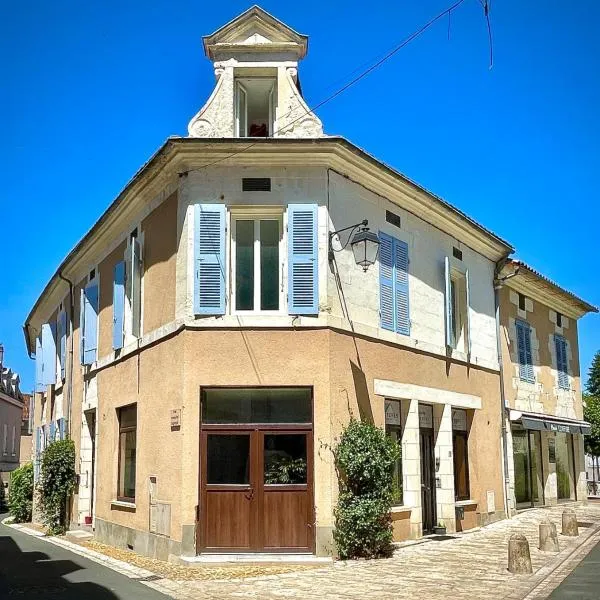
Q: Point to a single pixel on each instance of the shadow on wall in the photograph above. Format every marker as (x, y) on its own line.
(362, 393)
(32, 575)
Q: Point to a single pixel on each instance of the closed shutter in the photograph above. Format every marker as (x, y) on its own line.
(560, 345)
(90, 323)
(448, 303)
(134, 280)
(401, 285)
(62, 429)
(118, 304)
(81, 324)
(386, 277)
(52, 431)
(303, 270)
(209, 244)
(62, 342)
(49, 353)
(39, 361)
(524, 352)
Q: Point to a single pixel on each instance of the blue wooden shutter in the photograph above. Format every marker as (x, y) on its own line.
(401, 287)
(118, 304)
(303, 259)
(560, 346)
(62, 342)
(524, 352)
(52, 431)
(81, 324)
(37, 453)
(448, 303)
(386, 277)
(39, 361)
(90, 323)
(209, 258)
(49, 353)
(62, 428)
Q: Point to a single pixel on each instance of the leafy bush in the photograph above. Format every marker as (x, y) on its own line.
(20, 501)
(57, 482)
(365, 459)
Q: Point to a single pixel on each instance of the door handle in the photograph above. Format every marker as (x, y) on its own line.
(250, 495)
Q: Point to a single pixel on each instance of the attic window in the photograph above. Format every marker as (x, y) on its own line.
(457, 253)
(256, 184)
(92, 274)
(521, 302)
(254, 106)
(392, 218)
(559, 319)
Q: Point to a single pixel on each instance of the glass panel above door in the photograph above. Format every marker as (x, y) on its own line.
(257, 405)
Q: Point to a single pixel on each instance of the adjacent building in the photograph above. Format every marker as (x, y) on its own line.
(206, 342)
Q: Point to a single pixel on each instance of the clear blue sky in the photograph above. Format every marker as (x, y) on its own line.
(90, 89)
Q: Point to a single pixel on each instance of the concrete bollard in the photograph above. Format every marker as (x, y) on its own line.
(548, 537)
(569, 523)
(519, 560)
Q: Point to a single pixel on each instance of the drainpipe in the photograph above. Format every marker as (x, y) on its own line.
(498, 284)
(70, 371)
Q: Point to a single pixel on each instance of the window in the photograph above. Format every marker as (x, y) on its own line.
(133, 287)
(558, 319)
(127, 445)
(392, 218)
(457, 309)
(394, 431)
(256, 184)
(562, 365)
(457, 253)
(88, 323)
(256, 263)
(521, 302)
(526, 372)
(460, 450)
(14, 438)
(393, 284)
(5, 442)
(254, 107)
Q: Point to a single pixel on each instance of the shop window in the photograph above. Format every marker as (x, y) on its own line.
(460, 446)
(127, 452)
(394, 431)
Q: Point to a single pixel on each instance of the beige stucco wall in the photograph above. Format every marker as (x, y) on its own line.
(10, 417)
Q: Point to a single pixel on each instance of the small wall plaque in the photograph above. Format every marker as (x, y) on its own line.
(176, 418)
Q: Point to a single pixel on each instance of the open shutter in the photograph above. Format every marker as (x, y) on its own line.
(37, 453)
(136, 287)
(62, 342)
(39, 361)
(448, 303)
(468, 311)
(303, 269)
(386, 288)
(560, 346)
(90, 323)
(401, 284)
(118, 304)
(524, 351)
(209, 259)
(52, 431)
(241, 111)
(62, 428)
(49, 353)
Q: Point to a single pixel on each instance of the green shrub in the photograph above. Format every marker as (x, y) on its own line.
(365, 459)
(20, 498)
(57, 482)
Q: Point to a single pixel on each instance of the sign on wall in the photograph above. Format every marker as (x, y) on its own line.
(426, 416)
(459, 419)
(392, 412)
(551, 450)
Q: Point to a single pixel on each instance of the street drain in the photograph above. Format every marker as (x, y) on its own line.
(35, 590)
(149, 578)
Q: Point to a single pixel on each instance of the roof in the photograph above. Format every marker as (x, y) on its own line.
(188, 154)
(548, 292)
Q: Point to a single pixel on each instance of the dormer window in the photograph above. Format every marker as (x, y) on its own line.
(254, 106)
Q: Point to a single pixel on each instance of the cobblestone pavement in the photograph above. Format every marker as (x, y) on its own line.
(471, 565)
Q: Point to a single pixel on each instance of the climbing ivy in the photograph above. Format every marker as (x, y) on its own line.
(20, 498)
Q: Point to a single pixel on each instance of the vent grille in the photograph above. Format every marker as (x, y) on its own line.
(256, 184)
(392, 218)
(457, 253)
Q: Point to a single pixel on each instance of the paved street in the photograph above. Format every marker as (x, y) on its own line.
(584, 582)
(31, 569)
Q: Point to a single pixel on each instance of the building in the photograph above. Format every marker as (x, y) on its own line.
(542, 388)
(11, 409)
(26, 445)
(206, 342)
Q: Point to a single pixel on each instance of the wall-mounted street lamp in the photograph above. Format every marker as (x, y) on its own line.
(364, 244)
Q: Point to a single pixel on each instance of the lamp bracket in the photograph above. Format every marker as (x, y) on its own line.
(363, 223)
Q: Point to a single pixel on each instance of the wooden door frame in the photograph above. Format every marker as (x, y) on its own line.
(430, 433)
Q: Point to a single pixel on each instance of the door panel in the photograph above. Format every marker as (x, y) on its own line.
(229, 522)
(285, 524)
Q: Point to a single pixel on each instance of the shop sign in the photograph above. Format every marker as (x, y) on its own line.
(459, 419)
(425, 416)
(561, 428)
(551, 450)
(392, 412)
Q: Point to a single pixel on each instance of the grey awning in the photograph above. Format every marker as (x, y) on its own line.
(544, 423)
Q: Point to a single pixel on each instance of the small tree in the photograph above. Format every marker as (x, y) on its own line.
(365, 459)
(20, 500)
(593, 382)
(57, 482)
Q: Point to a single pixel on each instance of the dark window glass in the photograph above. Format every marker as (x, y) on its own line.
(559, 319)
(285, 459)
(269, 265)
(457, 253)
(257, 405)
(392, 218)
(521, 302)
(127, 448)
(395, 433)
(228, 459)
(244, 265)
(256, 184)
(461, 465)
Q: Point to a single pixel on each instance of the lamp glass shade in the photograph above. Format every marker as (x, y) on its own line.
(365, 247)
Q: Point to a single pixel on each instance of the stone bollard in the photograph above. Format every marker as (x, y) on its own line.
(569, 522)
(519, 560)
(548, 537)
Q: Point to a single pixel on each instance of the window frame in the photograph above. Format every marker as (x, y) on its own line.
(121, 430)
(388, 428)
(129, 336)
(241, 90)
(464, 435)
(460, 305)
(257, 215)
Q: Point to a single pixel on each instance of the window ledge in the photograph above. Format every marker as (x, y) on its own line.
(400, 509)
(121, 504)
(466, 503)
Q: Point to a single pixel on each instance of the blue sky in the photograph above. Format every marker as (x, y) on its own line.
(90, 90)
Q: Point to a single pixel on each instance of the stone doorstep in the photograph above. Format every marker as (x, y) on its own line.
(253, 558)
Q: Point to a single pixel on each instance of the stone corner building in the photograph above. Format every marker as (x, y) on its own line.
(207, 341)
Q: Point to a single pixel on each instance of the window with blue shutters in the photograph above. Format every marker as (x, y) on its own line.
(118, 305)
(49, 353)
(562, 364)
(393, 284)
(89, 323)
(209, 259)
(61, 324)
(39, 362)
(303, 259)
(525, 358)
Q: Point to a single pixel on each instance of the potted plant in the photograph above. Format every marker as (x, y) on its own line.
(440, 529)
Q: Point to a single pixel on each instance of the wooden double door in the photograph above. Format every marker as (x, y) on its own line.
(256, 491)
